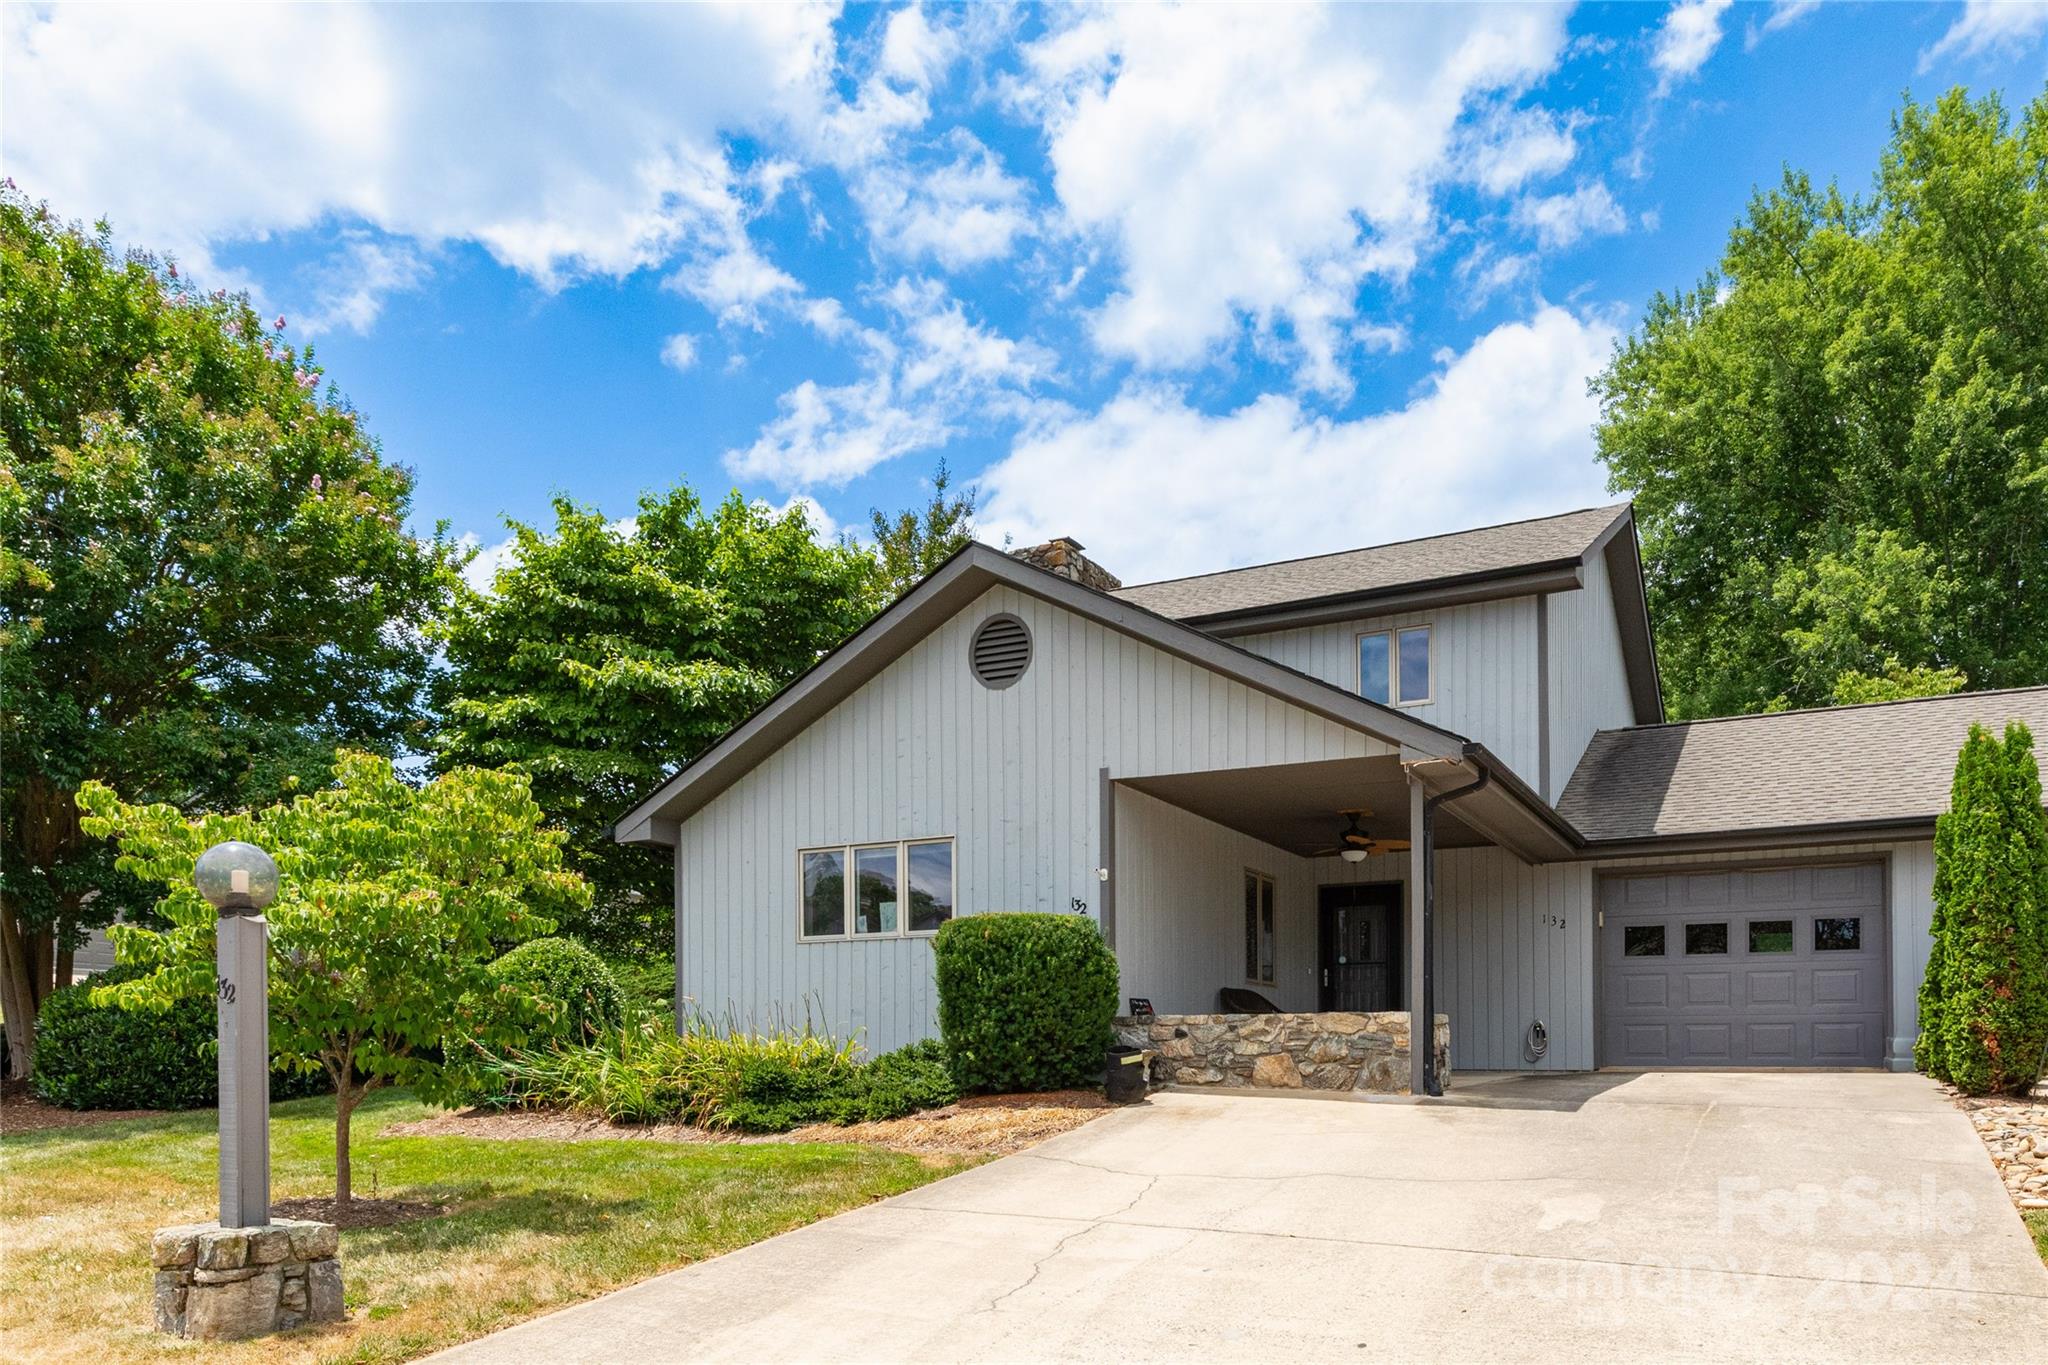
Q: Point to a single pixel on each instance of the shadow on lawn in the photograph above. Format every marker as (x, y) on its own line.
(479, 1220)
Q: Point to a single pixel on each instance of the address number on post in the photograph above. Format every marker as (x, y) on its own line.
(226, 989)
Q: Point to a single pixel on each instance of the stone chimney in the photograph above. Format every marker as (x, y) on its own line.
(1063, 557)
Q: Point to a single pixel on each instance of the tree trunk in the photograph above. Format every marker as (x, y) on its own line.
(17, 996)
(346, 1098)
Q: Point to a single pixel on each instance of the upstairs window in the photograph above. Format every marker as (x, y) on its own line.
(1394, 666)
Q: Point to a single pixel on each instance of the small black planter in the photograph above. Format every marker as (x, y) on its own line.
(1123, 1075)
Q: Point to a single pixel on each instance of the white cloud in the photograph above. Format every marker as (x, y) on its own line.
(1159, 488)
(1784, 14)
(914, 50)
(1989, 27)
(354, 285)
(960, 213)
(679, 352)
(825, 529)
(1486, 271)
(1689, 35)
(563, 146)
(1558, 220)
(481, 573)
(1258, 164)
(917, 385)
(1511, 147)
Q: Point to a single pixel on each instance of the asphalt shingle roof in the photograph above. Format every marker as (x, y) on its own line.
(1408, 563)
(1843, 765)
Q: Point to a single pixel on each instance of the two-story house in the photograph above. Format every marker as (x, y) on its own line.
(1307, 779)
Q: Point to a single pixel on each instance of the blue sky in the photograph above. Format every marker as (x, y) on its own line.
(1199, 287)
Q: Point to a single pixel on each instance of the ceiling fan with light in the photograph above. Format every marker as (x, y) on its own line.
(1354, 845)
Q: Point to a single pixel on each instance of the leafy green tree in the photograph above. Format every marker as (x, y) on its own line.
(1837, 443)
(606, 652)
(205, 579)
(915, 541)
(1984, 1000)
(392, 903)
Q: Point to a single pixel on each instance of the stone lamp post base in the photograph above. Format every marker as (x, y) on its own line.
(221, 1284)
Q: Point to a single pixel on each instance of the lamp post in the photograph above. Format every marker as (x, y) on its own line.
(239, 880)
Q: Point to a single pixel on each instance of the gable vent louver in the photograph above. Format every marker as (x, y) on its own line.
(1001, 651)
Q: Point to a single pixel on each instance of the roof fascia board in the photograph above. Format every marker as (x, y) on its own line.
(968, 574)
(1912, 827)
(1556, 576)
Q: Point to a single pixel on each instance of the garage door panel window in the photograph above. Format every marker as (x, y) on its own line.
(1706, 939)
(1843, 934)
(1643, 940)
(1770, 936)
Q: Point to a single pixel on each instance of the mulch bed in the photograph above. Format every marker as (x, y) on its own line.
(980, 1125)
(22, 1112)
(359, 1212)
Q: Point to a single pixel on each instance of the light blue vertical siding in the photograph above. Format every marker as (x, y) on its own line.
(1484, 668)
(1588, 675)
(923, 749)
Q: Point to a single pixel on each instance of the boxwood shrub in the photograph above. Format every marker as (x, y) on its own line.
(561, 991)
(104, 1057)
(1025, 1000)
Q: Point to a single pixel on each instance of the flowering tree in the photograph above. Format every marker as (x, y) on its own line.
(206, 585)
(392, 902)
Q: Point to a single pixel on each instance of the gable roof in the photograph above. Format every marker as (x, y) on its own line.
(1462, 557)
(1883, 767)
(965, 576)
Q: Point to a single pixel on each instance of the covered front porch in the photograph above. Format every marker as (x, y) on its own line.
(1233, 881)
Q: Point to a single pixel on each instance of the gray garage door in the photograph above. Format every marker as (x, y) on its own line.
(1772, 967)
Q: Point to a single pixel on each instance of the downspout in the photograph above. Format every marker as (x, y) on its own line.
(1432, 1083)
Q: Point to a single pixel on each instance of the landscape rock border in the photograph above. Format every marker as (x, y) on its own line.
(226, 1284)
(2015, 1131)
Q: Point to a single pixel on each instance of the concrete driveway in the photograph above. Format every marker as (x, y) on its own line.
(1754, 1216)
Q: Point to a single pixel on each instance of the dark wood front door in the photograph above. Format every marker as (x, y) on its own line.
(1361, 946)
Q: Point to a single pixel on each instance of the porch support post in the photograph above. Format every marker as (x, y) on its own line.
(1421, 1028)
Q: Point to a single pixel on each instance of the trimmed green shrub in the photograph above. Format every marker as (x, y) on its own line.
(1025, 1000)
(647, 986)
(104, 1057)
(560, 991)
(1984, 1000)
(775, 1093)
(905, 1081)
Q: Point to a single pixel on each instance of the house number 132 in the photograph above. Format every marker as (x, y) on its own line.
(1554, 921)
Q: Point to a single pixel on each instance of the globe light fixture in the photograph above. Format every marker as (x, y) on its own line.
(239, 880)
(1352, 855)
(236, 878)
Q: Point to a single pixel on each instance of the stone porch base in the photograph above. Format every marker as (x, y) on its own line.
(1367, 1052)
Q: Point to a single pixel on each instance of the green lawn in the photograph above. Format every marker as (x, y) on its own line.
(533, 1225)
(2037, 1223)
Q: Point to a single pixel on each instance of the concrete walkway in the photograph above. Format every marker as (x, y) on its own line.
(1727, 1216)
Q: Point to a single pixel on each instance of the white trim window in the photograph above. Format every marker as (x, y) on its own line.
(1258, 929)
(904, 889)
(1397, 667)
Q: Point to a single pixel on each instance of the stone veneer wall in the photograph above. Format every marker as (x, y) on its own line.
(1335, 1051)
(223, 1284)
